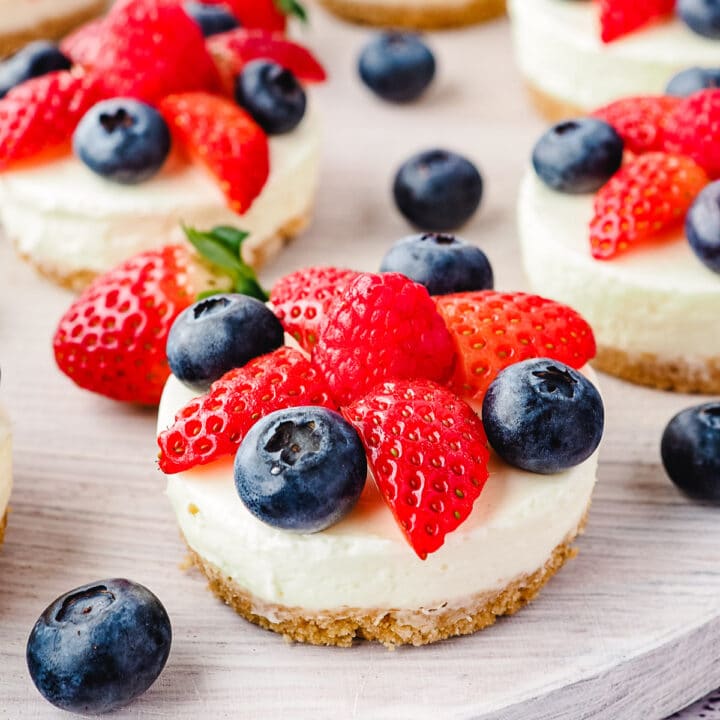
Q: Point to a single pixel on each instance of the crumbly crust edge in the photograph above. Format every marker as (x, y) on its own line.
(550, 107)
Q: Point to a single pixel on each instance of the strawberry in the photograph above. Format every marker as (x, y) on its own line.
(214, 425)
(641, 121)
(41, 114)
(428, 454)
(112, 339)
(263, 14)
(301, 300)
(84, 45)
(382, 327)
(620, 17)
(493, 330)
(224, 138)
(647, 196)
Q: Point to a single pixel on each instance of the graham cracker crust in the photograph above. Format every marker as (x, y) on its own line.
(3, 526)
(677, 374)
(52, 28)
(431, 17)
(550, 107)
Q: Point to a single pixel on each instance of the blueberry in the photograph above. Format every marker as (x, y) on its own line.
(702, 226)
(272, 95)
(397, 66)
(212, 19)
(444, 264)
(99, 646)
(301, 469)
(578, 156)
(693, 80)
(122, 140)
(543, 416)
(438, 190)
(218, 334)
(36, 59)
(691, 451)
(701, 16)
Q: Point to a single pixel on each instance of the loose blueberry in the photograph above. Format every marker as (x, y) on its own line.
(301, 469)
(122, 140)
(36, 59)
(701, 16)
(272, 95)
(543, 416)
(444, 264)
(218, 334)
(578, 156)
(438, 190)
(99, 647)
(691, 451)
(692, 80)
(397, 66)
(212, 19)
(702, 226)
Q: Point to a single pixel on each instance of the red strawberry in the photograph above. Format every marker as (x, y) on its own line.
(301, 300)
(428, 454)
(41, 114)
(641, 121)
(263, 14)
(224, 138)
(492, 330)
(383, 327)
(693, 129)
(647, 196)
(214, 425)
(620, 17)
(84, 45)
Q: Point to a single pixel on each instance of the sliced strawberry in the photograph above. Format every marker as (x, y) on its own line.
(428, 454)
(620, 17)
(84, 45)
(225, 139)
(264, 14)
(493, 330)
(215, 424)
(649, 195)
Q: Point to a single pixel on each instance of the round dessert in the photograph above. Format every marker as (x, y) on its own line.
(573, 60)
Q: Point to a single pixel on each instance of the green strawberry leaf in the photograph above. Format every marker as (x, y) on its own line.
(292, 8)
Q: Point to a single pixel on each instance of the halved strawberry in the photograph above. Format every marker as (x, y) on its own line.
(620, 17)
(84, 45)
(264, 14)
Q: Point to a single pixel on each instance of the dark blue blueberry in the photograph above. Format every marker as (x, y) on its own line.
(99, 647)
(218, 334)
(693, 80)
(301, 469)
(438, 190)
(690, 451)
(444, 264)
(212, 19)
(122, 140)
(578, 156)
(397, 66)
(36, 59)
(272, 95)
(702, 226)
(701, 16)
(543, 416)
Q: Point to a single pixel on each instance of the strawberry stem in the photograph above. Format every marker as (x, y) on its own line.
(292, 8)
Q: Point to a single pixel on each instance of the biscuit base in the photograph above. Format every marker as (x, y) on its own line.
(3, 526)
(387, 626)
(52, 28)
(552, 108)
(674, 374)
(429, 17)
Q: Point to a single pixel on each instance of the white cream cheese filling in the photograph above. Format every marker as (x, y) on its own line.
(19, 15)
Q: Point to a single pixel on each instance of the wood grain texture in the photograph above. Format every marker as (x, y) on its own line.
(628, 631)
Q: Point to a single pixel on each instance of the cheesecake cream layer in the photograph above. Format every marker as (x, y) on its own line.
(19, 15)
(364, 561)
(560, 53)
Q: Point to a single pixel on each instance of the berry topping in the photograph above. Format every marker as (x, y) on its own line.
(688, 82)
(543, 416)
(648, 196)
(397, 66)
(84, 45)
(578, 156)
(272, 96)
(428, 454)
(438, 190)
(224, 138)
(701, 16)
(383, 327)
(264, 14)
(98, 647)
(442, 263)
(301, 300)
(702, 226)
(301, 469)
(214, 425)
(123, 140)
(620, 17)
(492, 330)
(36, 59)
(691, 452)
(212, 19)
